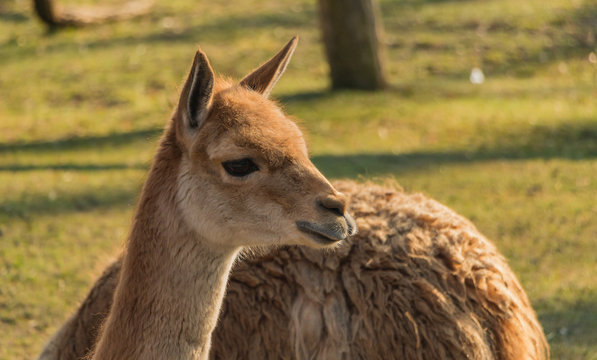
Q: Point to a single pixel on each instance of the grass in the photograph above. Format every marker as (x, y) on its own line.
(81, 111)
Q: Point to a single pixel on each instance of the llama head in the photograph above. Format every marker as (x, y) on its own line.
(245, 176)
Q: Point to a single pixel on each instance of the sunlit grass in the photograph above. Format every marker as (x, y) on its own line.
(81, 111)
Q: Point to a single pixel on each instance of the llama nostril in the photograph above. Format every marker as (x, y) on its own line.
(332, 203)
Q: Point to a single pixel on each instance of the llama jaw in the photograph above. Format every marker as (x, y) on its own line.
(330, 233)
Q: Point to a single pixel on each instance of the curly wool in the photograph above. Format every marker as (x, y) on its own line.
(418, 281)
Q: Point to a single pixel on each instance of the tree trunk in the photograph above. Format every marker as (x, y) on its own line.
(352, 38)
(45, 10)
(53, 16)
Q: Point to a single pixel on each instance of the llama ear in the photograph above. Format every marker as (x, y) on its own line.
(195, 99)
(265, 77)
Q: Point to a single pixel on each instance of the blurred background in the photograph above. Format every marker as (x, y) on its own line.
(485, 105)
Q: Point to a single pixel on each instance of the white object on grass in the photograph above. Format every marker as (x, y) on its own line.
(477, 76)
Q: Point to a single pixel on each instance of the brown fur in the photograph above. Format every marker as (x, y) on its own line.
(195, 214)
(417, 282)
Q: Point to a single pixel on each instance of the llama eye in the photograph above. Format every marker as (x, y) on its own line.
(240, 168)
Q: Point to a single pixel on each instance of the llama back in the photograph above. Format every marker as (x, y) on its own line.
(418, 281)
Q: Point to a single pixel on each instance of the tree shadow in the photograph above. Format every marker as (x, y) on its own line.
(329, 93)
(102, 197)
(302, 97)
(576, 40)
(569, 322)
(574, 142)
(570, 141)
(392, 4)
(12, 16)
(571, 35)
(219, 28)
(82, 142)
(70, 167)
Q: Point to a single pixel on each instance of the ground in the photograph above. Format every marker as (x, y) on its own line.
(81, 110)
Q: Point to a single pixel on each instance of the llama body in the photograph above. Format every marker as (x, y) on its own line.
(417, 282)
(231, 171)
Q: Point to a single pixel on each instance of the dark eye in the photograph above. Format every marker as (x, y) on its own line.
(240, 168)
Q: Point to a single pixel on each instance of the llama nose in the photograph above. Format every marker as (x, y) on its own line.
(335, 203)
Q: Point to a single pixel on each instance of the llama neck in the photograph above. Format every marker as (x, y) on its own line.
(171, 287)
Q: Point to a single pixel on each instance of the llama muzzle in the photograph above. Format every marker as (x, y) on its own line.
(329, 233)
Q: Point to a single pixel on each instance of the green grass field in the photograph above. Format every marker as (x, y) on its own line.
(81, 110)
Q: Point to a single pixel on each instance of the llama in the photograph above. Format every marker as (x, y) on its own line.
(417, 282)
(231, 171)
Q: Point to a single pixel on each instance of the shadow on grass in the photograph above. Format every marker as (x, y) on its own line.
(328, 93)
(576, 141)
(71, 167)
(304, 97)
(576, 41)
(570, 35)
(222, 28)
(12, 16)
(392, 4)
(380, 164)
(569, 322)
(30, 205)
(83, 142)
(338, 96)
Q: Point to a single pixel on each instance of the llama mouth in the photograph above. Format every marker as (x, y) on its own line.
(352, 225)
(325, 234)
